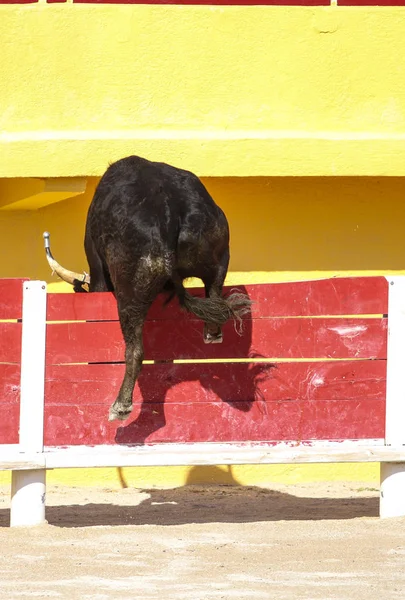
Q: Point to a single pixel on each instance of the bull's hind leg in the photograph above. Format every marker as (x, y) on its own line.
(132, 316)
(100, 280)
(213, 283)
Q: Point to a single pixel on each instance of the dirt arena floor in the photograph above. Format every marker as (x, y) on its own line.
(312, 541)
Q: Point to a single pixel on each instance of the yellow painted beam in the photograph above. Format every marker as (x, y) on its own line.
(32, 194)
(223, 91)
(15, 190)
(161, 477)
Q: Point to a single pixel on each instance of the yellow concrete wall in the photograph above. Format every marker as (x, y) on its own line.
(221, 90)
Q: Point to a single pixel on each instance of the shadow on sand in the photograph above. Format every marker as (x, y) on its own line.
(195, 503)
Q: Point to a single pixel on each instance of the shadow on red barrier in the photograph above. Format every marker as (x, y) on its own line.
(197, 413)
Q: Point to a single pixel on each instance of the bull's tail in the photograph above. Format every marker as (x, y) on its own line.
(218, 309)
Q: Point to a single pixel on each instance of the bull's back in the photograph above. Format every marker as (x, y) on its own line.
(152, 193)
(153, 209)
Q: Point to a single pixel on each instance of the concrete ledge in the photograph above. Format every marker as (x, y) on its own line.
(209, 154)
(202, 454)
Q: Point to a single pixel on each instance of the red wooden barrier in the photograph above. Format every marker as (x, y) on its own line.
(182, 339)
(307, 382)
(226, 402)
(340, 296)
(11, 298)
(231, 401)
(9, 403)
(10, 357)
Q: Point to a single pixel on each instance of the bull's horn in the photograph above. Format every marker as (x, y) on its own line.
(68, 276)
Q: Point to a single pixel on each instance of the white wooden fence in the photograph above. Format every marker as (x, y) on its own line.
(29, 459)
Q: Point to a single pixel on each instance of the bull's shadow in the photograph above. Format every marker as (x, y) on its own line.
(198, 401)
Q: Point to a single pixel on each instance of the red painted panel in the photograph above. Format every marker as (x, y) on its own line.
(227, 382)
(9, 384)
(81, 307)
(9, 423)
(296, 421)
(9, 403)
(272, 338)
(11, 291)
(340, 296)
(10, 342)
(228, 402)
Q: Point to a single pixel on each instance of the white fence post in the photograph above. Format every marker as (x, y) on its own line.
(28, 486)
(392, 491)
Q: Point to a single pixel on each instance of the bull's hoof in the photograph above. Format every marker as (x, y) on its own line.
(212, 334)
(119, 413)
(210, 338)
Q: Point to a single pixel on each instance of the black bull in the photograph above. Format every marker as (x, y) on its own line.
(149, 227)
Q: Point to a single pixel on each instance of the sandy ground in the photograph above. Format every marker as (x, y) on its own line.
(200, 543)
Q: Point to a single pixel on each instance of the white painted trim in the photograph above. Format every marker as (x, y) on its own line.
(33, 367)
(204, 453)
(18, 461)
(392, 489)
(208, 453)
(28, 485)
(392, 475)
(28, 489)
(395, 400)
